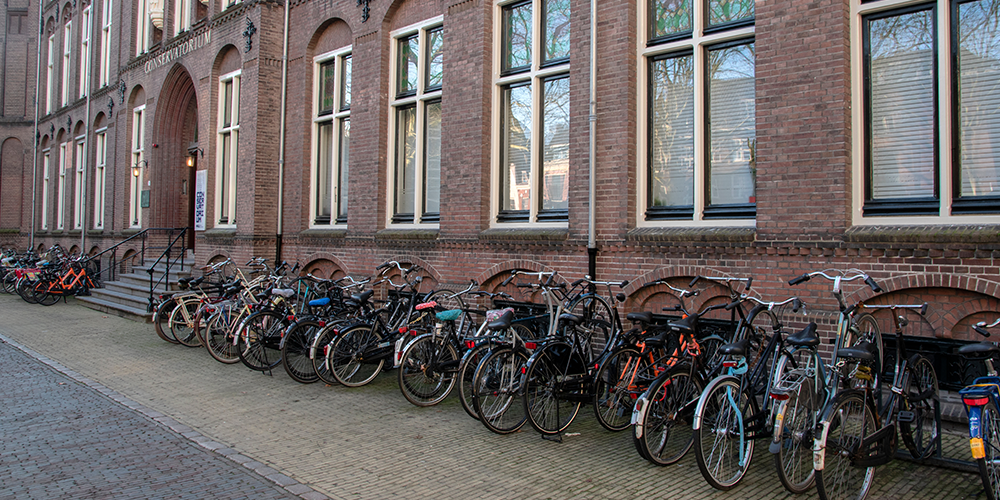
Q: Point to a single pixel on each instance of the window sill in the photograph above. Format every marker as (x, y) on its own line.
(95, 232)
(225, 232)
(723, 234)
(323, 233)
(407, 234)
(923, 234)
(11, 230)
(525, 233)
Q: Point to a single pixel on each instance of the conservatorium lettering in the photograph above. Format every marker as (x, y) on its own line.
(172, 53)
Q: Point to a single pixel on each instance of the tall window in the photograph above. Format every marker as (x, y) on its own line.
(698, 144)
(415, 162)
(67, 52)
(182, 16)
(332, 122)
(61, 186)
(142, 27)
(106, 6)
(228, 140)
(919, 161)
(101, 143)
(50, 76)
(532, 86)
(85, 52)
(138, 164)
(81, 162)
(46, 168)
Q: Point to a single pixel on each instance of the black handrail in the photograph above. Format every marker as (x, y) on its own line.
(143, 235)
(166, 274)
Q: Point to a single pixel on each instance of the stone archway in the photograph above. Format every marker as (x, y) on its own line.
(175, 135)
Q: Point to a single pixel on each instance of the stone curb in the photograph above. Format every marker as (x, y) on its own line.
(257, 468)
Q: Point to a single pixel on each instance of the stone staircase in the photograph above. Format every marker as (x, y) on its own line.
(128, 296)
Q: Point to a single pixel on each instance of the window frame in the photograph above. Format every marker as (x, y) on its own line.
(46, 169)
(143, 33)
(85, 51)
(67, 58)
(183, 17)
(419, 99)
(100, 175)
(78, 198)
(535, 75)
(337, 118)
(50, 76)
(106, 20)
(696, 42)
(138, 158)
(226, 184)
(61, 186)
(946, 127)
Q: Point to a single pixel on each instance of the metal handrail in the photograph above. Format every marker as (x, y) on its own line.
(166, 253)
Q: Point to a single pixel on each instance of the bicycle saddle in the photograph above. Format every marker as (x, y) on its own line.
(319, 302)
(503, 322)
(735, 349)
(645, 317)
(449, 315)
(686, 324)
(982, 350)
(865, 351)
(805, 338)
(570, 319)
(362, 297)
(283, 292)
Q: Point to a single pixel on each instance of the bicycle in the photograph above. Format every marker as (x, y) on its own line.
(982, 405)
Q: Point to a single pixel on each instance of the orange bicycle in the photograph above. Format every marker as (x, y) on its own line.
(76, 279)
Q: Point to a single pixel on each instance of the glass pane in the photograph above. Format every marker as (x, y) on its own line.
(516, 167)
(324, 168)
(517, 36)
(555, 147)
(435, 58)
(227, 103)
(669, 17)
(671, 148)
(406, 150)
(724, 11)
(345, 143)
(327, 81)
(979, 97)
(731, 131)
(407, 64)
(432, 158)
(345, 86)
(556, 30)
(902, 105)
(224, 181)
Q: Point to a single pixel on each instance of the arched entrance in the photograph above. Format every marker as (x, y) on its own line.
(177, 154)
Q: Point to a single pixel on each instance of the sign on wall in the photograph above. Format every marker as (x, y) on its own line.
(200, 182)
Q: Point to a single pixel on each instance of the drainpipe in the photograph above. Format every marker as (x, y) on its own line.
(281, 139)
(591, 223)
(34, 162)
(86, 131)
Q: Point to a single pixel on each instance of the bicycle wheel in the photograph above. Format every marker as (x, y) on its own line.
(922, 400)
(760, 326)
(794, 422)
(465, 326)
(347, 356)
(466, 372)
(182, 323)
(596, 327)
(663, 414)
(989, 465)
(320, 348)
(553, 387)
(427, 370)
(622, 377)
(161, 320)
(295, 351)
(721, 446)
(26, 289)
(847, 420)
(43, 291)
(10, 281)
(868, 331)
(260, 339)
(218, 334)
(497, 384)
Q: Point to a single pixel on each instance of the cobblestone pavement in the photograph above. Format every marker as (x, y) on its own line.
(369, 442)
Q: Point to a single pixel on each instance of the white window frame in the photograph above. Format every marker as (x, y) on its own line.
(536, 76)
(138, 161)
(226, 185)
(67, 57)
(944, 124)
(100, 175)
(46, 169)
(106, 19)
(81, 163)
(61, 185)
(142, 31)
(50, 76)
(85, 52)
(182, 16)
(697, 44)
(341, 114)
(420, 100)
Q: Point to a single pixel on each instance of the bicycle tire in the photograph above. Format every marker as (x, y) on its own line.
(466, 374)
(497, 384)
(868, 331)
(760, 326)
(465, 326)
(218, 335)
(161, 320)
(596, 327)
(623, 375)
(427, 370)
(43, 293)
(723, 453)
(345, 357)
(795, 420)
(845, 422)
(989, 465)
(25, 289)
(183, 330)
(295, 351)
(553, 387)
(10, 281)
(662, 419)
(923, 400)
(320, 348)
(259, 339)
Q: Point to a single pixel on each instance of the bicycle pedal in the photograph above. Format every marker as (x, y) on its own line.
(906, 416)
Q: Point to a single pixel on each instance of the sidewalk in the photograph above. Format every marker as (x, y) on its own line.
(370, 443)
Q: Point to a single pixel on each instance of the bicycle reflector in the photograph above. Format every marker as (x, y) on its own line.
(729, 364)
(321, 324)
(469, 344)
(780, 396)
(291, 317)
(403, 329)
(530, 345)
(976, 400)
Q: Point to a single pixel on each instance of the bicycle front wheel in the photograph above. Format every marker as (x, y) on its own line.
(260, 339)
(348, 356)
(622, 377)
(497, 384)
(554, 387)
(722, 446)
(466, 373)
(663, 415)
(161, 320)
(295, 351)
(844, 425)
(794, 422)
(597, 329)
(922, 400)
(427, 370)
(989, 465)
(218, 334)
(182, 323)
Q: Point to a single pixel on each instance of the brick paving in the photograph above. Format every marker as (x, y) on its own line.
(369, 442)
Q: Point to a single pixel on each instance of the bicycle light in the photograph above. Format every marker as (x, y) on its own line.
(976, 400)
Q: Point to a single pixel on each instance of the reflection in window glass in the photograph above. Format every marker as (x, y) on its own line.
(345, 143)
(435, 58)
(432, 158)
(327, 80)
(323, 198)
(731, 131)
(724, 11)
(406, 150)
(555, 148)
(345, 86)
(517, 36)
(408, 49)
(516, 166)
(669, 17)
(671, 170)
(979, 98)
(556, 30)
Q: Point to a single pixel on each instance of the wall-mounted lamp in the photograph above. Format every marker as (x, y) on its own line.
(192, 152)
(135, 168)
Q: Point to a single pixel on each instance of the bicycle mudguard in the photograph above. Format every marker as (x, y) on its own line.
(699, 411)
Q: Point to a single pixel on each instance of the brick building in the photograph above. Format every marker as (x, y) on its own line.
(733, 137)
